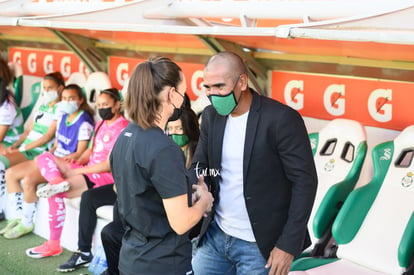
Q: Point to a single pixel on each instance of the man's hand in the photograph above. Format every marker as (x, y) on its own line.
(200, 192)
(279, 262)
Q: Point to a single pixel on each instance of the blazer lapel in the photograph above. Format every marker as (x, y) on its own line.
(219, 124)
(251, 128)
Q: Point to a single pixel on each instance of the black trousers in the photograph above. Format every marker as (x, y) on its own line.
(111, 236)
(90, 201)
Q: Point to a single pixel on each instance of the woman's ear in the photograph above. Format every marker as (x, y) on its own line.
(170, 94)
(117, 106)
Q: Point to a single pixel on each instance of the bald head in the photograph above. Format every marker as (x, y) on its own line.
(232, 64)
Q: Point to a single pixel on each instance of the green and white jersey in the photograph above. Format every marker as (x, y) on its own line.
(43, 118)
(11, 115)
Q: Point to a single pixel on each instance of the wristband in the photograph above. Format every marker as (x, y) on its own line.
(22, 148)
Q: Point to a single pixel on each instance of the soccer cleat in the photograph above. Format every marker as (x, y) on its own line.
(50, 190)
(18, 231)
(10, 224)
(77, 260)
(44, 250)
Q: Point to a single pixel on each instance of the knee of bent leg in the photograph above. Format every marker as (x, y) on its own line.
(44, 157)
(10, 174)
(28, 183)
(104, 233)
(86, 199)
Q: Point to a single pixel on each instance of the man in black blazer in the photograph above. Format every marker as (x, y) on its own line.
(255, 155)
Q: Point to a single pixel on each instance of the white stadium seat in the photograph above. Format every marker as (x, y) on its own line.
(339, 151)
(77, 78)
(375, 227)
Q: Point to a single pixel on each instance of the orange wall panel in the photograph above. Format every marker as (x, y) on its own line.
(378, 103)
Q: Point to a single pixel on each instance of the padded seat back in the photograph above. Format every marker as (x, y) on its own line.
(123, 93)
(17, 71)
(124, 90)
(31, 98)
(375, 227)
(339, 151)
(77, 78)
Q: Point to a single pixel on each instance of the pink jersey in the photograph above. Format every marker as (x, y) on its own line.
(103, 142)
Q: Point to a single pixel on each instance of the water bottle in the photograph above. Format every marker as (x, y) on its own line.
(92, 264)
(98, 264)
(101, 266)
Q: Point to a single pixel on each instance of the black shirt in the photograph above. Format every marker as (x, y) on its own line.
(147, 167)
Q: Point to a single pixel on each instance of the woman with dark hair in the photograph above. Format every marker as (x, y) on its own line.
(91, 170)
(93, 198)
(38, 137)
(74, 130)
(185, 132)
(11, 119)
(154, 200)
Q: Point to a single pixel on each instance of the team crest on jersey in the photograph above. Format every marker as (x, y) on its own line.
(330, 165)
(407, 180)
(106, 137)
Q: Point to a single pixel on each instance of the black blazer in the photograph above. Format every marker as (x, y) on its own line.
(279, 174)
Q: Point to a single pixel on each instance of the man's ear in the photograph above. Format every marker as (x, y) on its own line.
(244, 80)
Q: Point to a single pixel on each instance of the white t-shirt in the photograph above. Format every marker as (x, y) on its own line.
(231, 213)
(11, 116)
(44, 116)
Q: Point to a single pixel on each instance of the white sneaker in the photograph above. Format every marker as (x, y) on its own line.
(50, 190)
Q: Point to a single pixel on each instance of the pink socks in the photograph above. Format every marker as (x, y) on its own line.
(48, 168)
(57, 214)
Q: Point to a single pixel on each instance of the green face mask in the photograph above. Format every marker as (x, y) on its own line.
(181, 140)
(224, 104)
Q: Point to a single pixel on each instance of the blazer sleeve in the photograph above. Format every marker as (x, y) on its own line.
(299, 167)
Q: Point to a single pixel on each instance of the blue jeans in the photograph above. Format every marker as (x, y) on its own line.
(221, 254)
